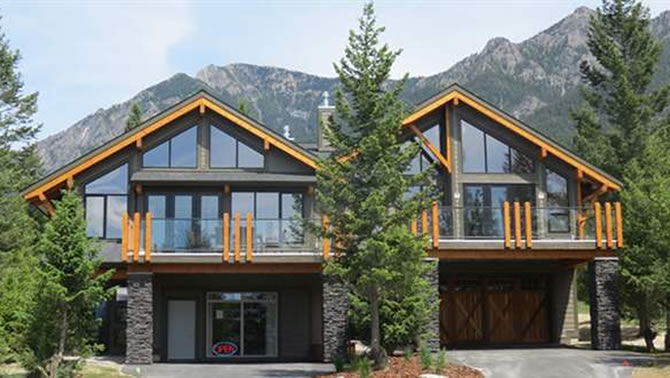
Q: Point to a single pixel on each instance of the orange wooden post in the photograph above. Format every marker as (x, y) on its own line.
(226, 237)
(436, 226)
(136, 237)
(608, 224)
(124, 237)
(529, 224)
(517, 224)
(599, 227)
(415, 227)
(506, 225)
(147, 237)
(250, 231)
(237, 237)
(326, 240)
(619, 224)
(424, 222)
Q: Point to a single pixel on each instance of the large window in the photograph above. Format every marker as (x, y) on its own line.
(483, 153)
(106, 198)
(178, 152)
(228, 152)
(241, 324)
(483, 211)
(558, 212)
(276, 215)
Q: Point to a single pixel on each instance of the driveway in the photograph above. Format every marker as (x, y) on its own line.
(550, 362)
(229, 370)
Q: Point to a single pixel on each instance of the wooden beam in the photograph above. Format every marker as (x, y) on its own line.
(136, 237)
(266, 145)
(226, 189)
(203, 268)
(597, 214)
(237, 237)
(531, 254)
(226, 237)
(456, 102)
(506, 225)
(436, 225)
(619, 224)
(543, 153)
(250, 233)
(202, 108)
(46, 202)
(124, 237)
(517, 224)
(529, 224)
(138, 143)
(432, 148)
(608, 224)
(138, 189)
(325, 222)
(310, 190)
(70, 182)
(147, 237)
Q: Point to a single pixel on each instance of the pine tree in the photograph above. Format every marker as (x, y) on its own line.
(134, 117)
(70, 288)
(243, 107)
(617, 126)
(362, 186)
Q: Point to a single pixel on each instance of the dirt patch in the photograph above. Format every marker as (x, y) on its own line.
(400, 367)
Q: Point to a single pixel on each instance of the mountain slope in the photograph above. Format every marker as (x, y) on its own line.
(535, 80)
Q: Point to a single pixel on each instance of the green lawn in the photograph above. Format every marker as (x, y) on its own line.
(91, 370)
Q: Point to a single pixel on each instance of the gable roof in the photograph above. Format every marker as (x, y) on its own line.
(457, 94)
(201, 100)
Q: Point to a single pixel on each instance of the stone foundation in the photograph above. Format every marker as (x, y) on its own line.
(335, 319)
(433, 278)
(139, 328)
(605, 328)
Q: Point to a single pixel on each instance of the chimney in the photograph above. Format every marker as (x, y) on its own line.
(325, 119)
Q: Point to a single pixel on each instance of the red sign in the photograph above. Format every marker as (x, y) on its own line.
(224, 348)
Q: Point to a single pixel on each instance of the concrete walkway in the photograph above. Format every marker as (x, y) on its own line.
(550, 362)
(228, 370)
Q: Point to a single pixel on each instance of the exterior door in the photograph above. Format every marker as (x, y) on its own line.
(181, 330)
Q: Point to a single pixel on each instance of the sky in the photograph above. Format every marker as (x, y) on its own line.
(86, 55)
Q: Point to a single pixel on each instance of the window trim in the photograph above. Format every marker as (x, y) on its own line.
(105, 196)
(169, 152)
(237, 151)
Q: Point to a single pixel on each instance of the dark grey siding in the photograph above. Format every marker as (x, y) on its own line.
(294, 324)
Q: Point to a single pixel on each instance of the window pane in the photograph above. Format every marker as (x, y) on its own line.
(157, 206)
(557, 190)
(522, 163)
(497, 156)
(183, 149)
(156, 157)
(291, 205)
(116, 205)
(248, 157)
(242, 202)
(95, 208)
(114, 182)
(521, 193)
(267, 205)
(472, 140)
(183, 207)
(433, 136)
(209, 207)
(260, 330)
(222, 149)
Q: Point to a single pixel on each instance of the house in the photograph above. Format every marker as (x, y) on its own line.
(197, 211)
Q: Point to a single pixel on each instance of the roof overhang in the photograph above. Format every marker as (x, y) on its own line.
(455, 94)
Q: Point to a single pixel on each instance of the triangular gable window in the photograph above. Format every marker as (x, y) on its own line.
(483, 153)
(177, 152)
(228, 152)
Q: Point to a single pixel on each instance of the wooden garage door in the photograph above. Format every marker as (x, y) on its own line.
(494, 311)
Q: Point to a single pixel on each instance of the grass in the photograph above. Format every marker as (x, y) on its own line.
(582, 307)
(91, 370)
(660, 368)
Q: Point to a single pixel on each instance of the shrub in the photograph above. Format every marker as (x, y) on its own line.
(407, 353)
(441, 361)
(362, 365)
(339, 363)
(424, 356)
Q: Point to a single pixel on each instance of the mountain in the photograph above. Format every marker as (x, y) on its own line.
(535, 80)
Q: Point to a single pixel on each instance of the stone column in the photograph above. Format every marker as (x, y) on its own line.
(335, 320)
(139, 328)
(605, 329)
(433, 278)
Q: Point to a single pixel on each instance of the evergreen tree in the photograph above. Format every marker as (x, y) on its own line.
(617, 126)
(70, 289)
(362, 186)
(134, 117)
(243, 107)
(19, 166)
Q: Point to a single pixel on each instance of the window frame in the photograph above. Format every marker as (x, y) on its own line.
(551, 207)
(237, 151)
(105, 196)
(487, 135)
(168, 141)
(279, 202)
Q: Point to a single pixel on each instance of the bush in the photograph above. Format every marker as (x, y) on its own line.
(407, 353)
(362, 366)
(441, 361)
(339, 363)
(425, 357)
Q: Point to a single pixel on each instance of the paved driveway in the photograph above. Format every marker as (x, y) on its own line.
(550, 362)
(229, 370)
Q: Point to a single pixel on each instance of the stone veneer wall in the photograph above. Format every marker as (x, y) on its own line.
(335, 319)
(139, 328)
(433, 278)
(605, 328)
